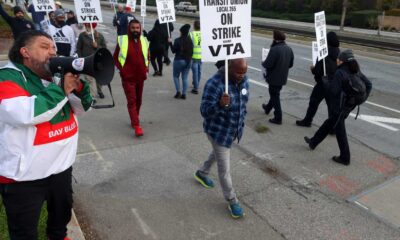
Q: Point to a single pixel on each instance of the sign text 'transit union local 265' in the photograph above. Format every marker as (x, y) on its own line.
(225, 29)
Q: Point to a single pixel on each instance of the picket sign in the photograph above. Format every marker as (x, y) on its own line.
(314, 47)
(88, 11)
(131, 4)
(143, 10)
(320, 31)
(44, 5)
(166, 12)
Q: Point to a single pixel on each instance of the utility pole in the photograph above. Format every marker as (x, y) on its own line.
(345, 4)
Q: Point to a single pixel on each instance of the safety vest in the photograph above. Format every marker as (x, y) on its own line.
(123, 42)
(196, 39)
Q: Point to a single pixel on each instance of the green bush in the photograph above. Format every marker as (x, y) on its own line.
(365, 19)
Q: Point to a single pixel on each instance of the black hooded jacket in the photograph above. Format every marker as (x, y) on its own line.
(330, 64)
(18, 25)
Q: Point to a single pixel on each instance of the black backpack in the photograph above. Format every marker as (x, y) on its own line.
(355, 92)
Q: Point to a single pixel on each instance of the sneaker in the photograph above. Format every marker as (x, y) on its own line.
(275, 121)
(195, 91)
(203, 180)
(308, 141)
(340, 161)
(236, 210)
(138, 131)
(303, 123)
(183, 96)
(101, 95)
(155, 74)
(177, 95)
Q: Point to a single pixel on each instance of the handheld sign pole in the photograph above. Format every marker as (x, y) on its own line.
(169, 33)
(226, 76)
(143, 10)
(91, 28)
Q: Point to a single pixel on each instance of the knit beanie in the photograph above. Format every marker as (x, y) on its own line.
(346, 56)
(17, 9)
(185, 29)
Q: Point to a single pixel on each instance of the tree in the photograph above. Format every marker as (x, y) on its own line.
(345, 5)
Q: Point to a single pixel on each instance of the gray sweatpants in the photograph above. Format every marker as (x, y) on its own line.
(221, 155)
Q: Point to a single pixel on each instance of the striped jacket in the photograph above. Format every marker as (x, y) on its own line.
(38, 125)
(224, 124)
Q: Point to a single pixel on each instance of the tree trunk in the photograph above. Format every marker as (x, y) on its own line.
(345, 3)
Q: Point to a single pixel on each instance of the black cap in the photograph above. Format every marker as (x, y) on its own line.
(17, 9)
(333, 40)
(346, 56)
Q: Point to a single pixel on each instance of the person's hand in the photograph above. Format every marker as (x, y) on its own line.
(71, 83)
(170, 40)
(145, 33)
(94, 44)
(225, 100)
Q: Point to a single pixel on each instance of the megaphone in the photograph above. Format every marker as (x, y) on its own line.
(99, 65)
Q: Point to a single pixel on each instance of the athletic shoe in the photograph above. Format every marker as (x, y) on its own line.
(266, 110)
(236, 210)
(183, 96)
(308, 141)
(275, 121)
(195, 91)
(138, 131)
(101, 95)
(177, 95)
(203, 180)
(339, 160)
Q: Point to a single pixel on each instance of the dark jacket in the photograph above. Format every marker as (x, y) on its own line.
(85, 48)
(330, 65)
(280, 59)
(18, 25)
(157, 39)
(183, 49)
(124, 23)
(116, 22)
(335, 92)
(37, 17)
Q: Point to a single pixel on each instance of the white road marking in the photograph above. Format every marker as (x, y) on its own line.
(359, 204)
(375, 122)
(145, 228)
(306, 59)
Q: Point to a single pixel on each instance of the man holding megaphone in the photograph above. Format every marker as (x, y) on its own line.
(38, 137)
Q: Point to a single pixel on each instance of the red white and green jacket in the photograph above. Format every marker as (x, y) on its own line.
(38, 125)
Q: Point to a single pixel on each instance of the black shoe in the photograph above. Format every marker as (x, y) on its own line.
(195, 91)
(275, 121)
(308, 141)
(183, 96)
(177, 95)
(339, 160)
(155, 74)
(266, 110)
(303, 123)
(101, 95)
(159, 73)
(332, 132)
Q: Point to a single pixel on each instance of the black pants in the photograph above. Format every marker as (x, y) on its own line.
(23, 202)
(275, 101)
(317, 95)
(159, 58)
(166, 52)
(341, 135)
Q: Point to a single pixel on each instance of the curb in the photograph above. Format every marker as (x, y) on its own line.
(74, 229)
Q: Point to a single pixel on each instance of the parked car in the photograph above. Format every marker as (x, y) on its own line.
(186, 7)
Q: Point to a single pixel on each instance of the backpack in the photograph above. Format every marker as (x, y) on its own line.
(355, 92)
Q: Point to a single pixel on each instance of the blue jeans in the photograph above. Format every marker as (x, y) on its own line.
(196, 72)
(181, 67)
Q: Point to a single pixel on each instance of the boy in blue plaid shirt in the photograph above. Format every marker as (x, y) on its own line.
(223, 123)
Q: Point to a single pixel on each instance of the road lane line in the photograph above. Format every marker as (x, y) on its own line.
(311, 86)
(145, 228)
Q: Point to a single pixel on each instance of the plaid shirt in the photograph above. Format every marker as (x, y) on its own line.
(224, 124)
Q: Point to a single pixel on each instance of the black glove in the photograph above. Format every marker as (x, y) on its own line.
(144, 33)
